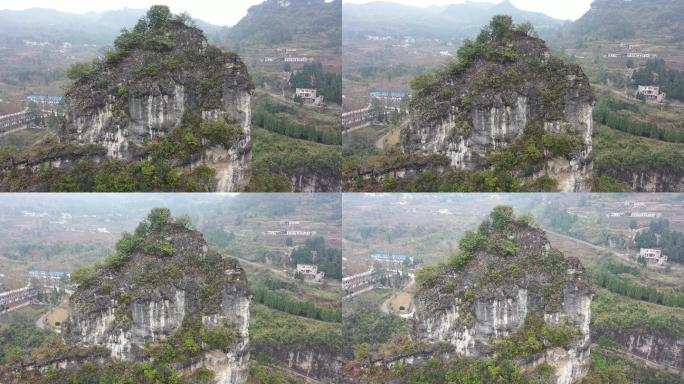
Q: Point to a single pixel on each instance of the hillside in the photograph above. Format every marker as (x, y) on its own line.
(623, 19)
(505, 116)
(505, 307)
(57, 27)
(163, 96)
(164, 304)
(274, 22)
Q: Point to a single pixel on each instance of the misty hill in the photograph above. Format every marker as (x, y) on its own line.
(280, 21)
(619, 19)
(443, 22)
(56, 27)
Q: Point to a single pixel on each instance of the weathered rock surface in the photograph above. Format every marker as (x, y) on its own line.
(659, 347)
(498, 291)
(316, 362)
(168, 280)
(487, 104)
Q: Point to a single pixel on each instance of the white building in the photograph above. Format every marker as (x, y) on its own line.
(309, 96)
(653, 256)
(651, 93)
(307, 269)
(310, 271)
(297, 59)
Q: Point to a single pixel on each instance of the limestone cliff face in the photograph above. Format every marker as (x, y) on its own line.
(302, 182)
(316, 362)
(485, 102)
(498, 293)
(170, 284)
(145, 88)
(646, 180)
(661, 347)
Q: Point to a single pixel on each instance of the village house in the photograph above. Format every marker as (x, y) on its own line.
(310, 271)
(651, 93)
(309, 96)
(653, 256)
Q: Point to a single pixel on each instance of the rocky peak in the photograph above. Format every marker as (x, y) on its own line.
(508, 295)
(164, 296)
(502, 82)
(163, 80)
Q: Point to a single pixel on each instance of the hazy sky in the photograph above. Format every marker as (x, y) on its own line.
(219, 12)
(560, 9)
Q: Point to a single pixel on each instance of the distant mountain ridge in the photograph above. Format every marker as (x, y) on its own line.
(56, 27)
(275, 22)
(456, 21)
(620, 19)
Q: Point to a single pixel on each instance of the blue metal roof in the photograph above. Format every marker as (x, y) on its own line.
(389, 94)
(48, 273)
(389, 256)
(44, 98)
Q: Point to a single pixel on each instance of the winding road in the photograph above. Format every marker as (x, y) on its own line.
(621, 256)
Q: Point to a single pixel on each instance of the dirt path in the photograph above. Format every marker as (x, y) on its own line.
(380, 143)
(307, 379)
(350, 130)
(284, 273)
(638, 359)
(40, 322)
(385, 307)
(594, 246)
(13, 130)
(621, 256)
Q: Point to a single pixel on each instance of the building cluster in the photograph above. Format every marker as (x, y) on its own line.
(356, 118)
(355, 283)
(310, 271)
(289, 233)
(309, 96)
(17, 298)
(287, 55)
(391, 261)
(289, 223)
(653, 256)
(650, 215)
(630, 51)
(49, 279)
(651, 93)
(14, 120)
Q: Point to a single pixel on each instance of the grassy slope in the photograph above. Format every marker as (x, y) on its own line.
(619, 154)
(277, 157)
